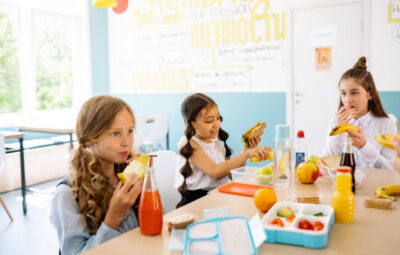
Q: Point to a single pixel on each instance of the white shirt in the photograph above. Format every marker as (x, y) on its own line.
(215, 150)
(372, 154)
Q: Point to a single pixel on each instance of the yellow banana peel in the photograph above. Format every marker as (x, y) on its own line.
(386, 140)
(343, 128)
(137, 166)
(270, 156)
(387, 191)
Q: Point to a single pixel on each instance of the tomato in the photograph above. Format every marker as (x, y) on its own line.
(305, 224)
(318, 226)
(277, 222)
(290, 218)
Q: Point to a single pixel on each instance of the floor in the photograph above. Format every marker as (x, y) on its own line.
(32, 233)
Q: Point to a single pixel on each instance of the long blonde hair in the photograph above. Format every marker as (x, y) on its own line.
(90, 187)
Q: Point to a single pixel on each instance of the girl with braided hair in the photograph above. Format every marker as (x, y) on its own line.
(94, 206)
(361, 106)
(204, 150)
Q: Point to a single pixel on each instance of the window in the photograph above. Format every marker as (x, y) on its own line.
(44, 57)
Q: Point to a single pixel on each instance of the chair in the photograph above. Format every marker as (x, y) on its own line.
(140, 131)
(2, 164)
(157, 133)
(165, 167)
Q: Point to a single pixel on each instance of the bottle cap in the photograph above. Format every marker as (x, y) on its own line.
(344, 169)
(282, 131)
(300, 134)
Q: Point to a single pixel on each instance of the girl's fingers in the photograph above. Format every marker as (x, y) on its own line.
(128, 184)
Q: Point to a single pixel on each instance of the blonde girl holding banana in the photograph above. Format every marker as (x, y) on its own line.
(93, 206)
(361, 106)
(204, 152)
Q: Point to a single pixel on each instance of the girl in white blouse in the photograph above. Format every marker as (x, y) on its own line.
(204, 150)
(361, 106)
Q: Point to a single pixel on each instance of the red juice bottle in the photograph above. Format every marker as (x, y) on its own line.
(150, 206)
(347, 159)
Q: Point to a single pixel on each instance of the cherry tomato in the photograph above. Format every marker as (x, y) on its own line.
(290, 218)
(277, 222)
(318, 226)
(305, 224)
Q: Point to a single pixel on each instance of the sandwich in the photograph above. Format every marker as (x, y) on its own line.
(256, 130)
(331, 161)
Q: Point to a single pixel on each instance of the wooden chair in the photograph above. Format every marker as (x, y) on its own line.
(2, 163)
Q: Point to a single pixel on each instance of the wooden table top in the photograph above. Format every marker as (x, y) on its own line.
(12, 134)
(373, 231)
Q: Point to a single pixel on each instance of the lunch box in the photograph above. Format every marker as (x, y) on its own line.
(291, 233)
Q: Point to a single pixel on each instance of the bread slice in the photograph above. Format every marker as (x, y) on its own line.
(331, 161)
(180, 221)
(379, 203)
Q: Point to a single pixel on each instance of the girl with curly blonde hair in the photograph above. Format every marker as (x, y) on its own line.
(95, 206)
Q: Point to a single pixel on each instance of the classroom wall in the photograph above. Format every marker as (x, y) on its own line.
(240, 110)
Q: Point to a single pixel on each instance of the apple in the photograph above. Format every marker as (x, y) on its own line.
(307, 172)
(313, 159)
(264, 174)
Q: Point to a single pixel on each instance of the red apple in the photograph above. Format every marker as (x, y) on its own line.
(307, 172)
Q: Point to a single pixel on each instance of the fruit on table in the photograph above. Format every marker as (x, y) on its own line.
(314, 159)
(137, 166)
(265, 174)
(386, 140)
(307, 172)
(264, 199)
(285, 212)
(282, 163)
(387, 191)
(277, 222)
(343, 128)
(270, 157)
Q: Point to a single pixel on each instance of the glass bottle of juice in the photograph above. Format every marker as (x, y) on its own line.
(150, 206)
(343, 202)
(347, 159)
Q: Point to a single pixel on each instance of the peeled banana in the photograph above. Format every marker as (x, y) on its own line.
(270, 156)
(386, 140)
(282, 164)
(343, 128)
(387, 191)
(137, 166)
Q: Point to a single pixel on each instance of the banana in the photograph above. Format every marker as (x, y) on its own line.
(386, 140)
(270, 156)
(387, 190)
(342, 128)
(282, 164)
(137, 166)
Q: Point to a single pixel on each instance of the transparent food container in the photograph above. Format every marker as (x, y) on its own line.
(248, 174)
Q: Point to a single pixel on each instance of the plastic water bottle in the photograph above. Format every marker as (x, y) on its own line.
(300, 148)
(282, 156)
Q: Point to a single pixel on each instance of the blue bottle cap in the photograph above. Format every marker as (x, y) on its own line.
(282, 131)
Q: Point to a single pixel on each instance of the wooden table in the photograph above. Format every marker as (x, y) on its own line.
(20, 137)
(373, 231)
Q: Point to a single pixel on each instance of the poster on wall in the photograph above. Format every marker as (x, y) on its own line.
(323, 58)
(193, 45)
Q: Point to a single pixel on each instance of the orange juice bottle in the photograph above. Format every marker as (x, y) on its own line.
(343, 202)
(150, 206)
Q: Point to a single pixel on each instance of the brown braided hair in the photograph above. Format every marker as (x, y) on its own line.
(91, 189)
(363, 77)
(191, 107)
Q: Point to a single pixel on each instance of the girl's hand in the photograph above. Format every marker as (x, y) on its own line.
(123, 198)
(260, 152)
(359, 139)
(396, 158)
(254, 141)
(345, 114)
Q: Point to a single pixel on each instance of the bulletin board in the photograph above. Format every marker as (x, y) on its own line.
(197, 45)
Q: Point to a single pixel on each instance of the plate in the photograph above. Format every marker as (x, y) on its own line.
(242, 189)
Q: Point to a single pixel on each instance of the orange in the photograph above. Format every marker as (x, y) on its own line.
(264, 199)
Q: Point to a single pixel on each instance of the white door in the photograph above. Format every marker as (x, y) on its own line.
(315, 93)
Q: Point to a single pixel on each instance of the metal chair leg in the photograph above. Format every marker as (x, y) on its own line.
(5, 208)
